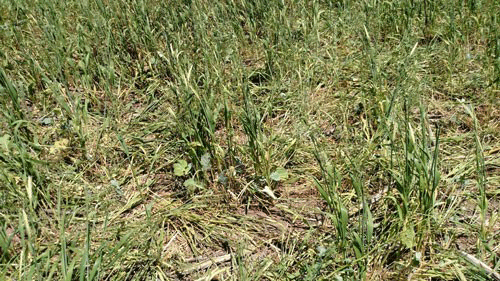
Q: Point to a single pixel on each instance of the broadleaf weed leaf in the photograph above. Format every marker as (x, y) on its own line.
(205, 162)
(181, 168)
(279, 174)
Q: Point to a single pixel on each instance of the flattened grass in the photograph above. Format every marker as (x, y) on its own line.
(316, 140)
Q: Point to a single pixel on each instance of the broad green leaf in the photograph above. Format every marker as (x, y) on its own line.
(279, 174)
(189, 182)
(408, 236)
(181, 168)
(192, 185)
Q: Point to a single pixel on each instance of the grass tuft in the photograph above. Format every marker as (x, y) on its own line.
(249, 140)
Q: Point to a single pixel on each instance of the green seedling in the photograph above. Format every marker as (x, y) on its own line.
(181, 168)
(106, 106)
(192, 185)
(280, 174)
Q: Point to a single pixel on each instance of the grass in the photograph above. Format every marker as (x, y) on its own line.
(249, 140)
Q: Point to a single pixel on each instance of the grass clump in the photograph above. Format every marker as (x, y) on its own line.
(249, 140)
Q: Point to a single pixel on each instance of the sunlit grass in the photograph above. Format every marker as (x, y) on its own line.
(249, 140)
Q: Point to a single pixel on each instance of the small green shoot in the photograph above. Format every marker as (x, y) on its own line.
(280, 174)
(181, 168)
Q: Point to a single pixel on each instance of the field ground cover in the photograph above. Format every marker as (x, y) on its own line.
(249, 140)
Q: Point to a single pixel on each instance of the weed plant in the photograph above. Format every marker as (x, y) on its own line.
(249, 140)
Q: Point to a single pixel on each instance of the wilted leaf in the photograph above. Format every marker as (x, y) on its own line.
(222, 179)
(369, 225)
(181, 168)
(47, 121)
(59, 145)
(195, 144)
(4, 142)
(417, 258)
(205, 162)
(279, 174)
(114, 183)
(269, 192)
(321, 250)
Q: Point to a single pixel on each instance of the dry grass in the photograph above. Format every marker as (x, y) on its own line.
(374, 125)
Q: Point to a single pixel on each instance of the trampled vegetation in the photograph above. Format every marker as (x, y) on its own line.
(249, 140)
